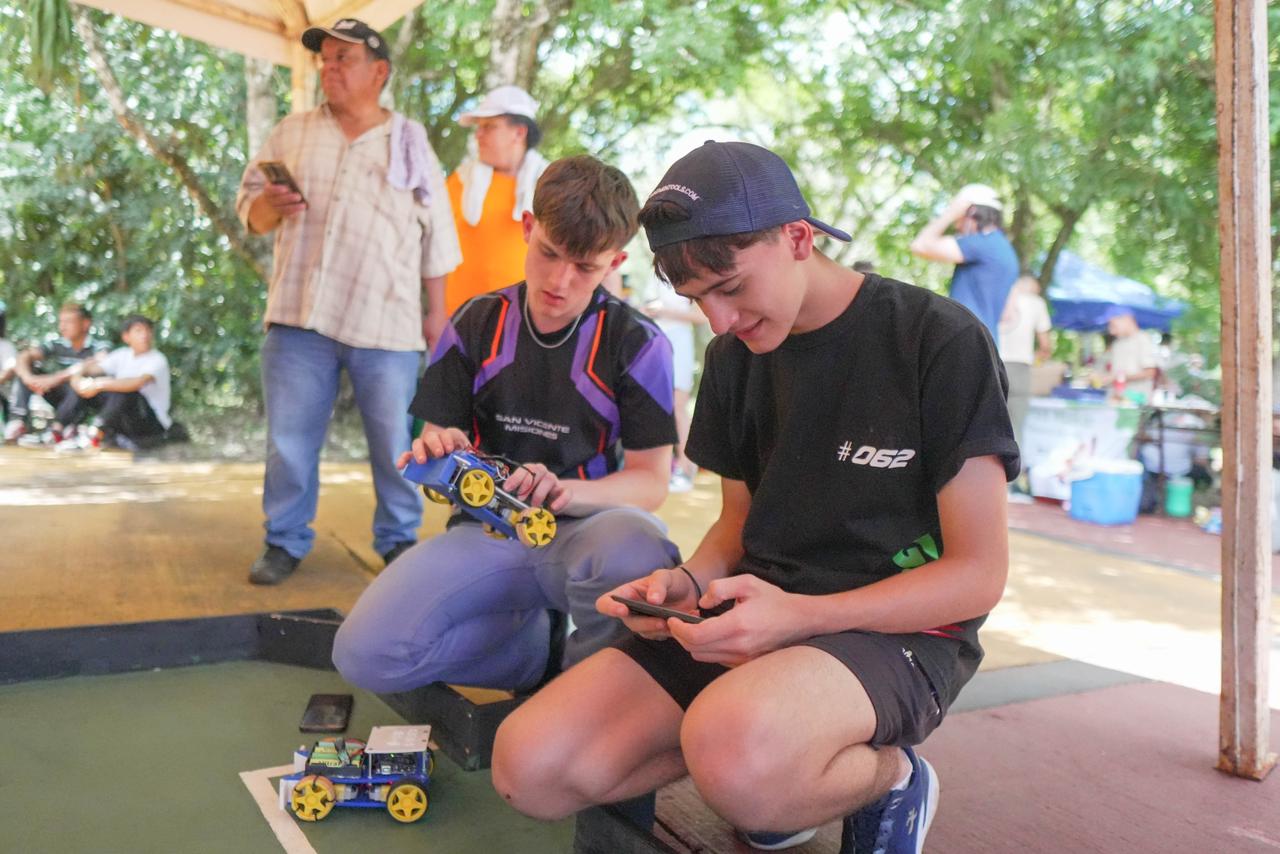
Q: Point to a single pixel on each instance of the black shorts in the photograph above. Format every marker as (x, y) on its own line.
(907, 703)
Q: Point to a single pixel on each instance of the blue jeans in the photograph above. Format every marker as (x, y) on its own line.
(300, 370)
(467, 608)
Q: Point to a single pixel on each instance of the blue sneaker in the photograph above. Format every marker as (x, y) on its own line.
(767, 840)
(898, 822)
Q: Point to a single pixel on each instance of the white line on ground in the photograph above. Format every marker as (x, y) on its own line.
(283, 825)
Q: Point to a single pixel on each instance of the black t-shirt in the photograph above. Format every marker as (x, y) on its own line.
(572, 400)
(844, 436)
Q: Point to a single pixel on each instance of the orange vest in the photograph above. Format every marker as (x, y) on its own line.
(492, 251)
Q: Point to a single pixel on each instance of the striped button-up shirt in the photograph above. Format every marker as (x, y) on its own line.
(351, 265)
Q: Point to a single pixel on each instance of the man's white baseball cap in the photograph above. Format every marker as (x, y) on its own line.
(503, 101)
(981, 194)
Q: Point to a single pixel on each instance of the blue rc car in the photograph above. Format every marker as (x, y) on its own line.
(391, 771)
(470, 481)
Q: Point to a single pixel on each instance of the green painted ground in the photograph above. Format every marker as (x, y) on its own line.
(150, 762)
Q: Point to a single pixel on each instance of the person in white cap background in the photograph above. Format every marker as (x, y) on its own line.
(986, 265)
(491, 190)
(363, 231)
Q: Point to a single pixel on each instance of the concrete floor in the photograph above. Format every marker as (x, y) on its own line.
(101, 538)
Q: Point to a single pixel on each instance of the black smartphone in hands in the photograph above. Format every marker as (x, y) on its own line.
(639, 606)
(326, 713)
(278, 173)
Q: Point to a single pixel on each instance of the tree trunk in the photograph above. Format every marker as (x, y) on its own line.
(1069, 219)
(515, 37)
(1020, 227)
(226, 226)
(406, 36)
(260, 101)
(117, 237)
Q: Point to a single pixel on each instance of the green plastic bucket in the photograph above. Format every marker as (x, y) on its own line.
(1177, 497)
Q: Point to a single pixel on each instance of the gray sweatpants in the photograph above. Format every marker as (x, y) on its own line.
(466, 608)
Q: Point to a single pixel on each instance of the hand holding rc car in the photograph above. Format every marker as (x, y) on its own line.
(469, 480)
(434, 442)
(538, 486)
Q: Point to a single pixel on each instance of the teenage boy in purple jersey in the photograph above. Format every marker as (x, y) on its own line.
(860, 430)
(555, 374)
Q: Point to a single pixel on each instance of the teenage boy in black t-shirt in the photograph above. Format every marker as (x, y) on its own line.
(558, 375)
(860, 430)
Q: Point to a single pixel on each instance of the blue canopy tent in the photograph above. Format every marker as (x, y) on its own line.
(1082, 294)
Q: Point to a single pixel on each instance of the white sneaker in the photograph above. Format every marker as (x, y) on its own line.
(70, 441)
(80, 440)
(765, 840)
(35, 440)
(680, 482)
(15, 428)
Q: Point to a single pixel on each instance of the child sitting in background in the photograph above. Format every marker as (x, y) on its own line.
(133, 384)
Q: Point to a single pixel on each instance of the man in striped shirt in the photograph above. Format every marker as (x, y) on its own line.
(362, 229)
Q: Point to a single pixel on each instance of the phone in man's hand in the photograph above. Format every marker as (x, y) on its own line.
(278, 173)
(639, 606)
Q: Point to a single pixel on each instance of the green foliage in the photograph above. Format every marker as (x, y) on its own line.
(605, 68)
(42, 35)
(87, 215)
(1095, 119)
(96, 219)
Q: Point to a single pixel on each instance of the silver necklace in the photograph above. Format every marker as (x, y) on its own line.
(536, 336)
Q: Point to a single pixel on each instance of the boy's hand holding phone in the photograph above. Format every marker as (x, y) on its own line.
(643, 608)
(670, 587)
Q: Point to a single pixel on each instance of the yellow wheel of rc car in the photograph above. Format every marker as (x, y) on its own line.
(536, 526)
(432, 495)
(407, 801)
(313, 798)
(476, 488)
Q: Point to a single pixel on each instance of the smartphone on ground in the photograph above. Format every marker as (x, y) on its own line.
(326, 713)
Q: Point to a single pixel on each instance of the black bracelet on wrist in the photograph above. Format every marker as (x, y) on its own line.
(697, 587)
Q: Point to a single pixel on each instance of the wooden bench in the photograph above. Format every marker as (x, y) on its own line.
(683, 825)
(463, 720)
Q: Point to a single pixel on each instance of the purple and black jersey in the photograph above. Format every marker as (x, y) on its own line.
(572, 400)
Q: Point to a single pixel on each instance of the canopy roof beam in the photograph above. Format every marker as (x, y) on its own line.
(262, 29)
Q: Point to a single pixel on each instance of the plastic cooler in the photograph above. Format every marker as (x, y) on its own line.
(1109, 496)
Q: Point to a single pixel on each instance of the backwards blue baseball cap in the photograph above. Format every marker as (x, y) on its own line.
(730, 188)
